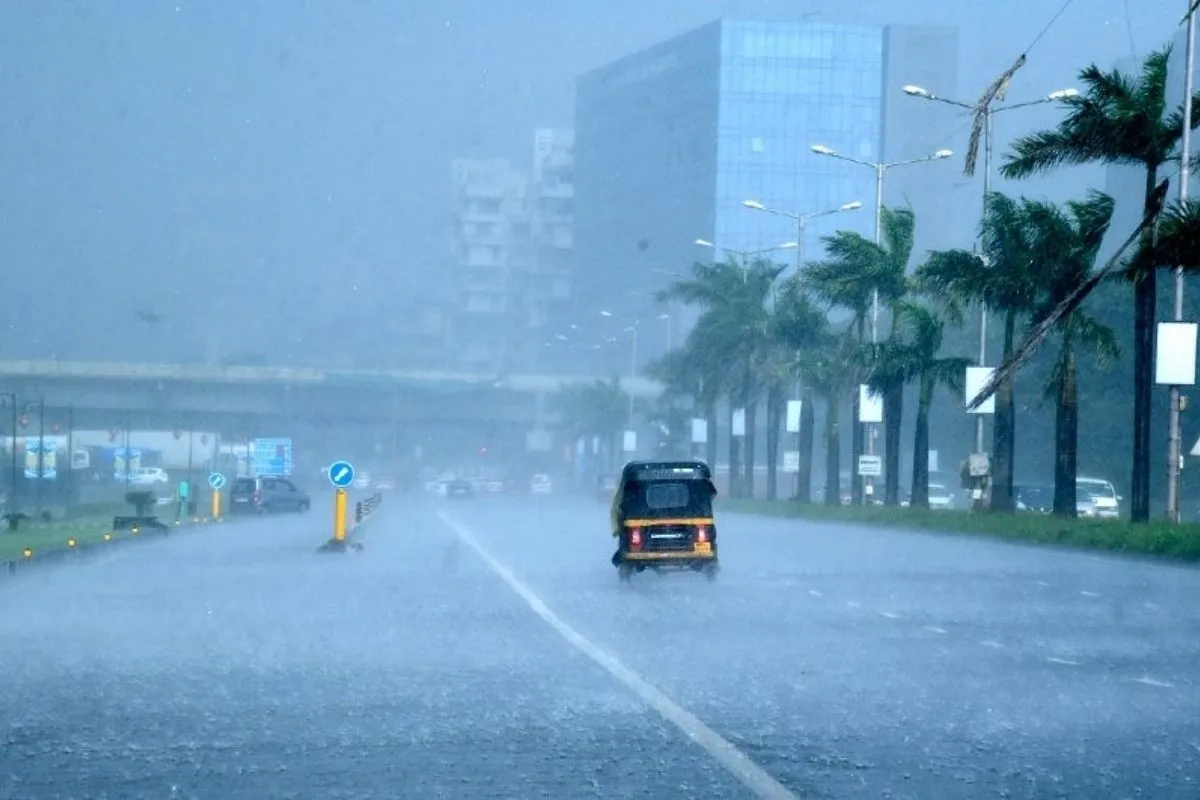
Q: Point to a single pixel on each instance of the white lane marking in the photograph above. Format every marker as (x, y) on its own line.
(853, 604)
(889, 615)
(1151, 606)
(815, 593)
(1090, 594)
(1148, 681)
(992, 643)
(1042, 583)
(723, 752)
(935, 629)
(1065, 661)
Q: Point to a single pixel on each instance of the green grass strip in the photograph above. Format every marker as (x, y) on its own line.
(1155, 538)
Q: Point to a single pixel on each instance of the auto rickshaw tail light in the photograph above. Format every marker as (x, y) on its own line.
(701, 533)
(635, 538)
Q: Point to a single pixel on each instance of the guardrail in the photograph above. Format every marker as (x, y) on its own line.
(343, 539)
(365, 508)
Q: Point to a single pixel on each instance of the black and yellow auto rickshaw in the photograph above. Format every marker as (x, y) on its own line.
(662, 518)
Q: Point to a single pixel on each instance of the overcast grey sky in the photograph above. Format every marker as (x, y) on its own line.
(280, 168)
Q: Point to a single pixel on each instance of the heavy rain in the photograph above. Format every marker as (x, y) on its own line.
(721, 399)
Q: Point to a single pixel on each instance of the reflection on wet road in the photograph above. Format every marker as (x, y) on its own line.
(234, 662)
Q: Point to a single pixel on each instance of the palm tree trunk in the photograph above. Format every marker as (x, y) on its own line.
(735, 462)
(748, 453)
(1145, 295)
(774, 405)
(1066, 434)
(833, 453)
(893, 415)
(920, 467)
(1004, 429)
(807, 426)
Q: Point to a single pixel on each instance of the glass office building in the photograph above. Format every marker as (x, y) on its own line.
(672, 140)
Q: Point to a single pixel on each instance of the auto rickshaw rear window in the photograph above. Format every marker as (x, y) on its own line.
(674, 498)
(667, 495)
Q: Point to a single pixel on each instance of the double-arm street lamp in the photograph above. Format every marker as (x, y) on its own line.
(801, 220)
(990, 111)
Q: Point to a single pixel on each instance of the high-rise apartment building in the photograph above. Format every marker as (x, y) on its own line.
(672, 140)
(512, 238)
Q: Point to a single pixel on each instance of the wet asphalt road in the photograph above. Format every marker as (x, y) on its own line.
(233, 662)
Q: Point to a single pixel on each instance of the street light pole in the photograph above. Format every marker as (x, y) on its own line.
(988, 113)
(1175, 447)
(881, 169)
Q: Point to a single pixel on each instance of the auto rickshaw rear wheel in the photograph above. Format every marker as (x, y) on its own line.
(625, 572)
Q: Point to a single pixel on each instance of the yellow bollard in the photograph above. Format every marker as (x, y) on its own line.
(339, 515)
(216, 504)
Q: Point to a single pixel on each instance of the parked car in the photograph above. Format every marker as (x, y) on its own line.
(266, 496)
(148, 476)
(541, 484)
(1105, 500)
(460, 489)
(1034, 497)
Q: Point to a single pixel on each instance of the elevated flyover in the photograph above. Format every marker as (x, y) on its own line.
(163, 393)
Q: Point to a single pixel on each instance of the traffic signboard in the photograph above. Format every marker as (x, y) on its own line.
(870, 466)
(271, 457)
(341, 474)
(216, 481)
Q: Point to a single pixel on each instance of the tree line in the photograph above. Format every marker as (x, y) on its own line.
(759, 335)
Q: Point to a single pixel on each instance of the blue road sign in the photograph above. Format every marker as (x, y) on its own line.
(341, 474)
(271, 457)
(216, 480)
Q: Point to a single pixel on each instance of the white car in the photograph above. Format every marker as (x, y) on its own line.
(148, 476)
(1105, 501)
(540, 484)
(362, 480)
(940, 497)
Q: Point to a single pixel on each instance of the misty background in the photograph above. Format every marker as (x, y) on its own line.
(273, 178)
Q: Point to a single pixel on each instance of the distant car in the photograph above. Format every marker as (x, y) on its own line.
(362, 480)
(940, 497)
(1105, 500)
(266, 496)
(148, 476)
(459, 489)
(385, 483)
(1034, 498)
(541, 484)
(1085, 504)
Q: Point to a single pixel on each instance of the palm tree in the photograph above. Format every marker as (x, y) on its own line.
(856, 267)
(923, 330)
(831, 373)
(597, 409)
(1120, 119)
(1005, 279)
(1066, 242)
(733, 327)
(800, 332)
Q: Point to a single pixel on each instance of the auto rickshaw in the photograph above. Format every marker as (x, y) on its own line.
(662, 518)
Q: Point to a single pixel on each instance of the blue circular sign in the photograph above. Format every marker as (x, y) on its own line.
(216, 480)
(341, 474)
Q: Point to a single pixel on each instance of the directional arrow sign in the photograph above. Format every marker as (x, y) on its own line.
(216, 480)
(341, 474)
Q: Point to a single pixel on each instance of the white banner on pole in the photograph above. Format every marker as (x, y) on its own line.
(1175, 354)
(739, 422)
(793, 415)
(630, 441)
(791, 461)
(870, 405)
(699, 431)
(977, 378)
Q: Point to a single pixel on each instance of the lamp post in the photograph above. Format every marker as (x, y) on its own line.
(880, 168)
(667, 319)
(745, 255)
(990, 111)
(801, 221)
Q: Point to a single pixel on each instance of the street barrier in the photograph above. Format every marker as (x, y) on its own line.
(343, 539)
